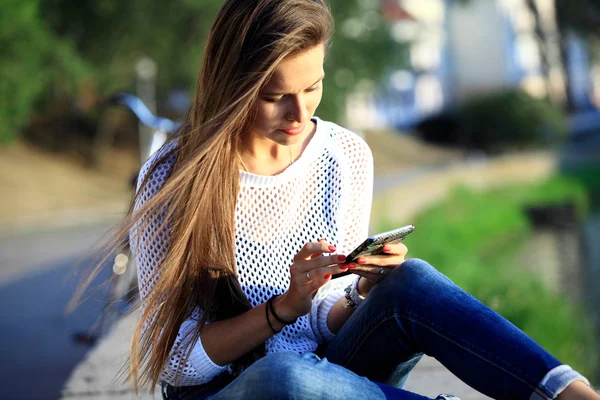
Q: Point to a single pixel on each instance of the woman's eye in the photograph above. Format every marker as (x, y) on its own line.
(312, 89)
(271, 100)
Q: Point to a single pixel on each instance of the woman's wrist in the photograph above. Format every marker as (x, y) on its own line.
(283, 311)
(278, 318)
(364, 286)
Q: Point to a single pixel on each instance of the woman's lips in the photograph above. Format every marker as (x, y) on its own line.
(293, 131)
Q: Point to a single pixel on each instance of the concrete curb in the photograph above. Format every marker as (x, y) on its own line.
(96, 377)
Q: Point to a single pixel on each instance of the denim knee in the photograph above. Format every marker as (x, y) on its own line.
(289, 375)
(415, 273)
(410, 281)
(280, 375)
(282, 365)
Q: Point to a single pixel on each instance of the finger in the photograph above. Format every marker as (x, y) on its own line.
(301, 268)
(324, 261)
(314, 247)
(374, 278)
(395, 249)
(390, 261)
(373, 269)
(321, 272)
(318, 283)
(313, 255)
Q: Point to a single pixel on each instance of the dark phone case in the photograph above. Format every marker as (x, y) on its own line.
(374, 245)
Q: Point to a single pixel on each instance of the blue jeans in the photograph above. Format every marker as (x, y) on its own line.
(415, 310)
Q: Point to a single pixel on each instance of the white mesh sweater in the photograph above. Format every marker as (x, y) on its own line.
(326, 193)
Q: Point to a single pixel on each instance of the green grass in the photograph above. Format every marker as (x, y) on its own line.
(589, 176)
(474, 238)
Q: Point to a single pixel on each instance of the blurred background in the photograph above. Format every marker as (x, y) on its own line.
(483, 117)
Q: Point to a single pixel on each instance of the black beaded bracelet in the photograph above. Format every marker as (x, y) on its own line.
(269, 320)
(272, 308)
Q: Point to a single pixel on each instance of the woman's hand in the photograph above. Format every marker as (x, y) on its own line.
(375, 268)
(309, 272)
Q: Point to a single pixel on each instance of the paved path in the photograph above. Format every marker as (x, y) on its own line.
(37, 280)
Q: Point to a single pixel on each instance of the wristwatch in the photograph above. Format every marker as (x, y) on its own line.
(353, 298)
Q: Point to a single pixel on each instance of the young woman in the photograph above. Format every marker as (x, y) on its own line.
(241, 223)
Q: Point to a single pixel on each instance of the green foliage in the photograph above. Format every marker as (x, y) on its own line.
(474, 239)
(558, 190)
(510, 119)
(33, 61)
(362, 51)
(49, 46)
(587, 174)
(111, 35)
(581, 16)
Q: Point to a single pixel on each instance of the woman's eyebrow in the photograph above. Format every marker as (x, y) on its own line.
(281, 93)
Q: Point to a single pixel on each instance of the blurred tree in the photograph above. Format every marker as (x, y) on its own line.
(362, 52)
(33, 61)
(111, 35)
(510, 120)
(572, 16)
(542, 42)
(581, 17)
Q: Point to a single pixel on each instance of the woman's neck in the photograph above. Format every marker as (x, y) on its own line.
(262, 156)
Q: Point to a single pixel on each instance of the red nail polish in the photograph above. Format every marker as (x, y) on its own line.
(351, 266)
(344, 267)
(361, 260)
(327, 276)
(342, 258)
(386, 248)
(331, 248)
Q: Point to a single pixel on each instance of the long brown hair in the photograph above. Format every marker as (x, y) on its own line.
(196, 205)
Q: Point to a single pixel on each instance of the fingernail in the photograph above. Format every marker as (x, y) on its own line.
(351, 266)
(342, 258)
(361, 260)
(386, 248)
(327, 276)
(344, 267)
(331, 248)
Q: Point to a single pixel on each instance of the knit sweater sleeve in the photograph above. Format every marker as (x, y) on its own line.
(150, 245)
(357, 198)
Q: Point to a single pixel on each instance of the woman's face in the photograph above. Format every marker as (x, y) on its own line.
(289, 100)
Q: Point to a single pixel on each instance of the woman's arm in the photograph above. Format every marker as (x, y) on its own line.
(227, 340)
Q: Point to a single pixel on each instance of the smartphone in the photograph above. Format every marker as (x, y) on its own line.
(374, 245)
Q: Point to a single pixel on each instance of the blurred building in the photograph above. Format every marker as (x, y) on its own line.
(457, 49)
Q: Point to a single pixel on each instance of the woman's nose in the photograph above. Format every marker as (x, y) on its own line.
(297, 109)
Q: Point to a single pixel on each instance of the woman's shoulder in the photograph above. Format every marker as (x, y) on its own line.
(348, 142)
(158, 166)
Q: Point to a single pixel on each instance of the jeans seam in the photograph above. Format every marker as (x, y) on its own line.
(406, 317)
(541, 391)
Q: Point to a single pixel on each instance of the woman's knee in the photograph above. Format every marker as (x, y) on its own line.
(414, 276)
(275, 364)
(280, 375)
